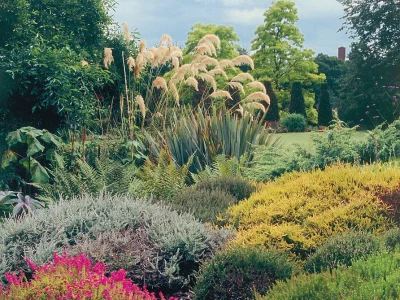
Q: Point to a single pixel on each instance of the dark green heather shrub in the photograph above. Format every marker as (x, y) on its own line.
(342, 249)
(237, 273)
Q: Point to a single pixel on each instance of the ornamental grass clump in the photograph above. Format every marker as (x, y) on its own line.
(299, 211)
(73, 278)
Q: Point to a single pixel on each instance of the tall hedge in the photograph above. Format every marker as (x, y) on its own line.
(273, 111)
(325, 115)
(297, 105)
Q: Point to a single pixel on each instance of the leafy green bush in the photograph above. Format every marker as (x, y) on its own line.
(377, 277)
(206, 205)
(183, 241)
(295, 123)
(342, 249)
(238, 272)
(237, 187)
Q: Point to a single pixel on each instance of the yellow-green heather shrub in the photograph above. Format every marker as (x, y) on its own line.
(300, 210)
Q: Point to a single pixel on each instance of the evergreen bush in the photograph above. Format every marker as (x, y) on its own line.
(295, 122)
(325, 115)
(297, 104)
(237, 273)
(273, 111)
(377, 277)
(342, 249)
(300, 210)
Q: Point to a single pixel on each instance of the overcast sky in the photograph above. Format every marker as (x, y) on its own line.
(319, 19)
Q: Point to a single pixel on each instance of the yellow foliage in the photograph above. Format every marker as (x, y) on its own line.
(300, 210)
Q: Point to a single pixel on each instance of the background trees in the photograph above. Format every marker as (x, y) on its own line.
(374, 61)
(280, 56)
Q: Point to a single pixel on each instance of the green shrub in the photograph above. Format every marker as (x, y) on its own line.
(237, 273)
(237, 187)
(183, 241)
(295, 123)
(377, 277)
(392, 239)
(342, 249)
(206, 205)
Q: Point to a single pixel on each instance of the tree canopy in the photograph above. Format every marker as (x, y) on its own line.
(229, 47)
(279, 53)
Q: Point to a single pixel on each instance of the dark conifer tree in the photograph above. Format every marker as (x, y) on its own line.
(297, 105)
(325, 109)
(273, 111)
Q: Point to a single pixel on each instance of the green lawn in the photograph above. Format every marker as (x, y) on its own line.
(304, 139)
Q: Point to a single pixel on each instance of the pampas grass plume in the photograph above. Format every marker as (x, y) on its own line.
(256, 105)
(237, 85)
(127, 33)
(191, 81)
(160, 83)
(257, 85)
(140, 101)
(258, 96)
(221, 94)
(243, 60)
(131, 63)
(218, 72)
(243, 77)
(208, 78)
(108, 57)
(142, 46)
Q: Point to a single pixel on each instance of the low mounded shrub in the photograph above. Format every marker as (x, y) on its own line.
(182, 242)
(73, 278)
(299, 211)
(295, 123)
(237, 187)
(206, 205)
(377, 277)
(392, 239)
(342, 249)
(237, 273)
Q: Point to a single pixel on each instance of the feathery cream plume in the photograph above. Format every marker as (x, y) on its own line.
(225, 63)
(84, 63)
(209, 61)
(212, 38)
(175, 48)
(175, 63)
(131, 63)
(191, 81)
(140, 63)
(240, 110)
(176, 53)
(256, 105)
(127, 33)
(203, 49)
(208, 78)
(221, 94)
(175, 93)
(243, 60)
(159, 56)
(202, 67)
(199, 58)
(121, 104)
(258, 96)
(180, 74)
(142, 46)
(149, 55)
(140, 101)
(194, 69)
(211, 46)
(160, 83)
(108, 57)
(218, 72)
(257, 85)
(166, 40)
(237, 85)
(243, 77)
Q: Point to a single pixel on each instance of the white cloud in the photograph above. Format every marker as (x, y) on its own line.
(245, 16)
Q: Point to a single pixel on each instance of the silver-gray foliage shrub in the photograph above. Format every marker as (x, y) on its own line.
(183, 241)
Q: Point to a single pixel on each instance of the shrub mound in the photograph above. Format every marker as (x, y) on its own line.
(237, 273)
(73, 278)
(299, 211)
(206, 205)
(377, 277)
(181, 241)
(211, 197)
(342, 249)
(295, 123)
(237, 187)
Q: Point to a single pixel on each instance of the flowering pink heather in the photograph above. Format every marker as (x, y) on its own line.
(73, 278)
